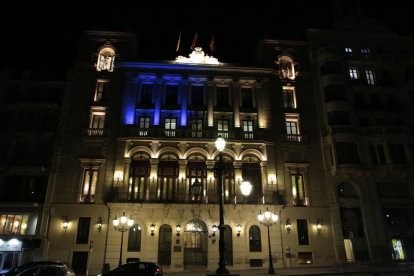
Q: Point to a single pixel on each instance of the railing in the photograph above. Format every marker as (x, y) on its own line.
(95, 132)
(294, 138)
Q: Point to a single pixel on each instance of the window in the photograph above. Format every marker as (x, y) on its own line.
(146, 93)
(348, 51)
(197, 128)
(303, 235)
(134, 238)
(248, 129)
(298, 189)
(289, 97)
(100, 90)
(144, 124)
(197, 95)
(286, 68)
(82, 236)
(305, 258)
(369, 74)
(139, 177)
(90, 178)
(170, 126)
(171, 95)
(247, 97)
(97, 121)
(366, 52)
(397, 152)
(353, 73)
(255, 242)
(167, 182)
(197, 170)
(223, 128)
(292, 128)
(347, 153)
(222, 96)
(377, 154)
(228, 184)
(12, 224)
(252, 172)
(106, 60)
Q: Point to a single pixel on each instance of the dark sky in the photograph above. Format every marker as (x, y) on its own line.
(53, 31)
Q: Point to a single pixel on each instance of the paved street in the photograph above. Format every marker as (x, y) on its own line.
(380, 270)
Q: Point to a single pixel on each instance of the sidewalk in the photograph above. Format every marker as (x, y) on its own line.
(378, 270)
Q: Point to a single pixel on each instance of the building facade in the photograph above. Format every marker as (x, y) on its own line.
(30, 108)
(137, 135)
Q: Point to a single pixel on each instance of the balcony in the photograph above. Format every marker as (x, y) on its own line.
(97, 132)
(294, 138)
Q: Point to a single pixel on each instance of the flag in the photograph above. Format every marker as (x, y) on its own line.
(212, 43)
(178, 42)
(193, 44)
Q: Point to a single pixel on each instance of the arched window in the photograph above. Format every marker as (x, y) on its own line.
(197, 170)
(167, 185)
(228, 177)
(134, 238)
(286, 67)
(106, 58)
(251, 171)
(255, 241)
(139, 177)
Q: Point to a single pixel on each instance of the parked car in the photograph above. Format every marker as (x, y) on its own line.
(42, 268)
(136, 269)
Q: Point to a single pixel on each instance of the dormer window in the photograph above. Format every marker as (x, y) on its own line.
(286, 67)
(106, 58)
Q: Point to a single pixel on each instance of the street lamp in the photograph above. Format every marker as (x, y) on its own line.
(268, 219)
(122, 225)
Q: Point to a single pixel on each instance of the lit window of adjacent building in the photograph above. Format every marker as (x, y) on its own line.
(13, 224)
(298, 189)
(97, 121)
(353, 73)
(248, 129)
(370, 75)
(223, 128)
(286, 67)
(170, 126)
(366, 52)
(101, 85)
(289, 97)
(348, 51)
(89, 180)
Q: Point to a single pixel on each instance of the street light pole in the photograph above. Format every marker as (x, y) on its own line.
(268, 219)
(122, 225)
(222, 263)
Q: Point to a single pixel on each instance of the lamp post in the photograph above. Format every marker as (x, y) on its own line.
(197, 188)
(268, 219)
(122, 225)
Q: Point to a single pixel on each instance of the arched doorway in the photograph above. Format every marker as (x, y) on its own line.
(164, 245)
(355, 242)
(228, 245)
(195, 244)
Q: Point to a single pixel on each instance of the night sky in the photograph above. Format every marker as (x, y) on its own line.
(53, 31)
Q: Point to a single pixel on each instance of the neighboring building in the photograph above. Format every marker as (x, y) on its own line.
(137, 135)
(29, 115)
(364, 80)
